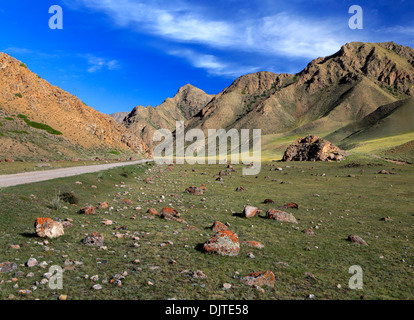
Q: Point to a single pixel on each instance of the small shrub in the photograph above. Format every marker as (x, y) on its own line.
(19, 131)
(8, 118)
(56, 203)
(69, 197)
(114, 152)
(23, 65)
(21, 116)
(18, 95)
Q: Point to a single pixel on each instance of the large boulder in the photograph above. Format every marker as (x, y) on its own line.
(280, 215)
(48, 228)
(225, 243)
(313, 148)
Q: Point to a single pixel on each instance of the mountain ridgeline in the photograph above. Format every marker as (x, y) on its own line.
(351, 90)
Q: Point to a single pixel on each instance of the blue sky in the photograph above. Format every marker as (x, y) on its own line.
(116, 54)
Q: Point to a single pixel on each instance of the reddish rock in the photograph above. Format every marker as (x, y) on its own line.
(8, 160)
(225, 243)
(170, 211)
(260, 279)
(199, 275)
(195, 191)
(268, 201)
(127, 201)
(290, 205)
(94, 239)
(309, 232)
(171, 214)
(253, 244)
(249, 211)
(280, 216)
(46, 227)
(153, 211)
(193, 228)
(218, 226)
(357, 240)
(67, 223)
(241, 189)
(89, 210)
(103, 205)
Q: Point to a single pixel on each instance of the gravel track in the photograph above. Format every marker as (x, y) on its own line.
(37, 176)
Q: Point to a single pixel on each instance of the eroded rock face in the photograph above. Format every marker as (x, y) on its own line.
(313, 148)
(280, 215)
(225, 243)
(94, 239)
(48, 228)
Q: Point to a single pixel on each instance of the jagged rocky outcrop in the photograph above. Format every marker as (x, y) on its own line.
(313, 148)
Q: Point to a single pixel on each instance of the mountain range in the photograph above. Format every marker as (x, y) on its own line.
(360, 97)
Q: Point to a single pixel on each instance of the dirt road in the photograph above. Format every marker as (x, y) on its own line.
(36, 176)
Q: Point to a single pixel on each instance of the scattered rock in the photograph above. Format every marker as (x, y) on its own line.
(32, 262)
(89, 210)
(103, 205)
(385, 172)
(218, 226)
(280, 216)
(94, 239)
(241, 189)
(260, 279)
(249, 211)
(46, 227)
(268, 201)
(253, 244)
(357, 240)
(309, 232)
(226, 286)
(195, 191)
(199, 275)
(225, 243)
(7, 267)
(290, 205)
(153, 211)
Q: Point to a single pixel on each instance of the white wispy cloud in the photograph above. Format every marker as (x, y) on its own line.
(98, 63)
(212, 64)
(282, 34)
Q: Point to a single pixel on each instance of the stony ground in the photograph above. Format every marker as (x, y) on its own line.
(145, 256)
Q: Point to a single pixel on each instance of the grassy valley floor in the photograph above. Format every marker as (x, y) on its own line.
(332, 203)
